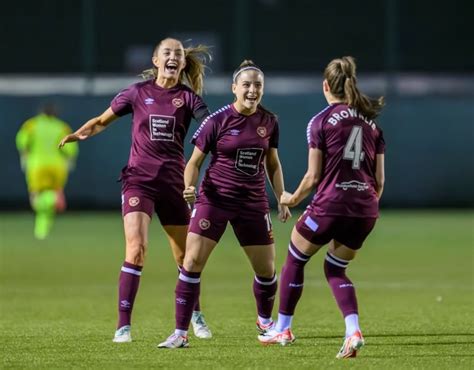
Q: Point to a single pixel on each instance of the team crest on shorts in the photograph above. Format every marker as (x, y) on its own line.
(204, 224)
(178, 102)
(134, 201)
(261, 131)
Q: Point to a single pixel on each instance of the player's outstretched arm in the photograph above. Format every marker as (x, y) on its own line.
(91, 127)
(309, 182)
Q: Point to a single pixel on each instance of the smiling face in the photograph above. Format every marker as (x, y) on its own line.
(248, 91)
(170, 59)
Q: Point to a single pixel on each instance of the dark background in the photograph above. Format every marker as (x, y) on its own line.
(419, 54)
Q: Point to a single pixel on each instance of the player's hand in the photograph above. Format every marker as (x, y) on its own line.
(286, 199)
(189, 194)
(71, 138)
(283, 213)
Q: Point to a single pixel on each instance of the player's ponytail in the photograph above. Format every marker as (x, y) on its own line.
(341, 77)
(193, 73)
(246, 65)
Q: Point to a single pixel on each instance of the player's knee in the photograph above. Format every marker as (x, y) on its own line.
(266, 270)
(334, 266)
(193, 263)
(136, 251)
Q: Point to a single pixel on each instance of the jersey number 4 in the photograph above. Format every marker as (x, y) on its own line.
(353, 148)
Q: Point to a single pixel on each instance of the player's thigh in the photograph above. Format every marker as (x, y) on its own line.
(208, 220)
(311, 232)
(262, 259)
(198, 250)
(136, 225)
(177, 238)
(302, 244)
(252, 227)
(170, 206)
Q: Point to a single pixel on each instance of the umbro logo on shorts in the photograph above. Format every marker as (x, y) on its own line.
(134, 201)
(204, 224)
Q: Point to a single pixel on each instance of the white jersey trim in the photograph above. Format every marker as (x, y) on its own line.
(198, 131)
(311, 121)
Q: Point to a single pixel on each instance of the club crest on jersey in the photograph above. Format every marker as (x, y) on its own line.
(134, 201)
(149, 101)
(261, 131)
(178, 102)
(204, 224)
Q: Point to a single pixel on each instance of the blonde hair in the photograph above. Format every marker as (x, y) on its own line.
(193, 74)
(340, 74)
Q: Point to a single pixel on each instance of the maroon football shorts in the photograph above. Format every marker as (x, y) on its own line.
(166, 201)
(320, 230)
(251, 227)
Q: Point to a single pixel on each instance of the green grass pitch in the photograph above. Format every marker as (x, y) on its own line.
(414, 279)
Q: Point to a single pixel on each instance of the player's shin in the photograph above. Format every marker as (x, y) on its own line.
(291, 286)
(343, 291)
(187, 293)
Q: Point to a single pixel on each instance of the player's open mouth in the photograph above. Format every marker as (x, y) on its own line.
(171, 67)
(251, 100)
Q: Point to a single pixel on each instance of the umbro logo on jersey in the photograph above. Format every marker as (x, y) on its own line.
(149, 101)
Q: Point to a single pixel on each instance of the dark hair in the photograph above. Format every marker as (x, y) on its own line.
(194, 71)
(245, 65)
(341, 77)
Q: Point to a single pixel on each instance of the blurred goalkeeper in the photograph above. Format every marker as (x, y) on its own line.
(46, 166)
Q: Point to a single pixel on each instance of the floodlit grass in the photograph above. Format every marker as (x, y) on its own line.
(414, 279)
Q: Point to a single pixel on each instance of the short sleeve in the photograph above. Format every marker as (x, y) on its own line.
(274, 138)
(205, 136)
(314, 133)
(199, 108)
(123, 102)
(380, 143)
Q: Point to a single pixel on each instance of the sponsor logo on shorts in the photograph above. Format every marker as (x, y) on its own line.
(261, 131)
(177, 102)
(134, 201)
(204, 224)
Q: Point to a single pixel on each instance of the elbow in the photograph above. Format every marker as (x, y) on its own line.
(312, 178)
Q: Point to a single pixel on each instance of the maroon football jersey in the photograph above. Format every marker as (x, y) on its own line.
(350, 143)
(238, 144)
(161, 118)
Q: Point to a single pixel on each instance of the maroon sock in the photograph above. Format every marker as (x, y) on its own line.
(129, 281)
(292, 280)
(264, 290)
(341, 286)
(197, 306)
(187, 293)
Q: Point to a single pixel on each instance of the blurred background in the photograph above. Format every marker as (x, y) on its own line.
(80, 53)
